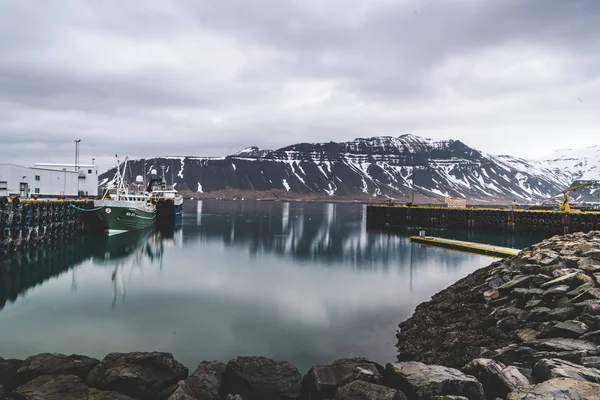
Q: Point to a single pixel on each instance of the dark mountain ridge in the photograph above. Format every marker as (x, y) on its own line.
(367, 168)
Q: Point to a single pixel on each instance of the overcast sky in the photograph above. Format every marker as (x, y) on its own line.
(209, 77)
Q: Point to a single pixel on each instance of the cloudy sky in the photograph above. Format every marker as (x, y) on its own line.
(209, 77)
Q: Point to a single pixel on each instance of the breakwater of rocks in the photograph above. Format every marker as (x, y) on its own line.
(524, 328)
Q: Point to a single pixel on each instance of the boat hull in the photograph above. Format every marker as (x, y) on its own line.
(169, 211)
(115, 218)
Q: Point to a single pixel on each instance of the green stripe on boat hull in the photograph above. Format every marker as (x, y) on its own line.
(123, 219)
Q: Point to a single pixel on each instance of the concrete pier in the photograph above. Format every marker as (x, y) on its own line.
(470, 247)
(494, 219)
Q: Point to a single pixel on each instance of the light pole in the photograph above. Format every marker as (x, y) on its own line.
(76, 152)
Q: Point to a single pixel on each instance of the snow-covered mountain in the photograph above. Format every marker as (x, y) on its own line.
(378, 166)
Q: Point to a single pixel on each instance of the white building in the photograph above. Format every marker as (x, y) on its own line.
(49, 180)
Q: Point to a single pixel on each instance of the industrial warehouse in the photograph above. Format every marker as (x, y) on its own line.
(49, 180)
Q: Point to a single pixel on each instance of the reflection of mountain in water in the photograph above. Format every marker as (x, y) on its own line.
(321, 232)
(23, 271)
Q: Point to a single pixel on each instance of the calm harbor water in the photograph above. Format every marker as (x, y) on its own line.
(304, 282)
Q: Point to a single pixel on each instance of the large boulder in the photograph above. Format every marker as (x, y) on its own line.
(562, 344)
(559, 389)
(594, 336)
(361, 390)
(321, 381)
(8, 372)
(54, 364)
(546, 369)
(419, 381)
(61, 387)
(566, 329)
(141, 375)
(203, 384)
(497, 379)
(260, 378)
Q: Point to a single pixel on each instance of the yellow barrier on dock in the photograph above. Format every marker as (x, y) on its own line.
(478, 248)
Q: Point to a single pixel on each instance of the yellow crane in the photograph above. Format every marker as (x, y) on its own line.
(564, 206)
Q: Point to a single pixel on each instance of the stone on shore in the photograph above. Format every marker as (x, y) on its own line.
(559, 389)
(497, 379)
(420, 382)
(566, 329)
(258, 378)
(61, 387)
(54, 364)
(361, 390)
(8, 372)
(140, 375)
(545, 369)
(321, 381)
(204, 383)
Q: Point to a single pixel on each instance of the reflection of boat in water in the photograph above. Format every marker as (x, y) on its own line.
(130, 251)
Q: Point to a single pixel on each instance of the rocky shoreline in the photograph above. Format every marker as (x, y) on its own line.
(527, 327)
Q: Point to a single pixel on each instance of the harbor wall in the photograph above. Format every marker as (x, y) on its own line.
(28, 224)
(552, 222)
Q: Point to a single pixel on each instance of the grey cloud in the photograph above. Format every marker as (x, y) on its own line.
(211, 77)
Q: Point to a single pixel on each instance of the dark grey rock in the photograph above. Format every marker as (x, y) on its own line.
(580, 289)
(361, 390)
(563, 344)
(592, 336)
(589, 294)
(566, 329)
(527, 334)
(558, 272)
(532, 304)
(559, 389)
(494, 282)
(512, 355)
(546, 369)
(591, 268)
(591, 362)
(561, 314)
(539, 314)
(522, 281)
(593, 321)
(419, 381)
(593, 254)
(507, 324)
(449, 398)
(508, 311)
(61, 387)
(497, 379)
(321, 381)
(572, 280)
(54, 364)
(203, 384)
(526, 293)
(142, 375)
(538, 280)
(592, 307)
(554, 293)
(258, 378)
(233, 397)
(572, 356)
(8, 373)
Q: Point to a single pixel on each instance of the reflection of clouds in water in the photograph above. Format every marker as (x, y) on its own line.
(315, 276)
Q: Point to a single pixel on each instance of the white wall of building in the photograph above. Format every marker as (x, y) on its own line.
(49, 180)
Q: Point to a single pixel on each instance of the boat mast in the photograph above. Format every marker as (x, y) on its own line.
(122, 183)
